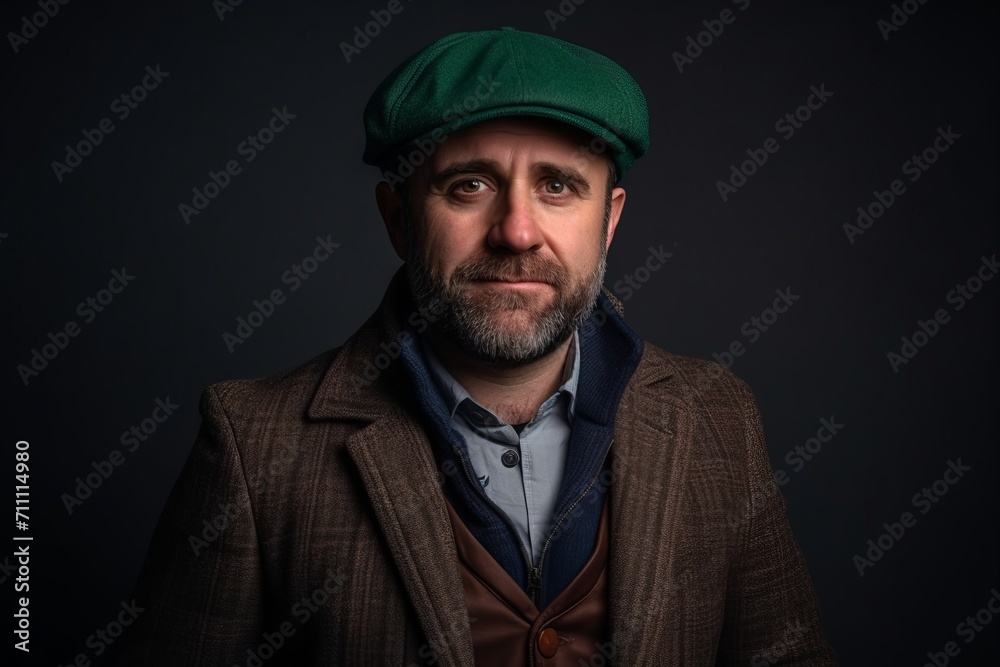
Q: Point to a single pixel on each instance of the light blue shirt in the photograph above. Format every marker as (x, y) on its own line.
(520, 473)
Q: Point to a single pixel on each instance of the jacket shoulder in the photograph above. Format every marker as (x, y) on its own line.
(692, 381)
(257, 397)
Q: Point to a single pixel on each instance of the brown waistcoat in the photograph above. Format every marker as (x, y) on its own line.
(508, 630)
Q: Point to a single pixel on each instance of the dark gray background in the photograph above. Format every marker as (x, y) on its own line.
(825, 357)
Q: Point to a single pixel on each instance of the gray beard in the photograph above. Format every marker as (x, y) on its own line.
(474, 323)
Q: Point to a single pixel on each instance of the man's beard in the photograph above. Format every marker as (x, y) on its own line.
(504, 326)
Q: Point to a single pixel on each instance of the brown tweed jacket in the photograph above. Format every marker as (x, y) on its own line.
(308, 527)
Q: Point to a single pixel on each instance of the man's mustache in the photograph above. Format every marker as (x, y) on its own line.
(519, 268)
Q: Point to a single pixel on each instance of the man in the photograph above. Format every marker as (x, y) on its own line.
(495, 469)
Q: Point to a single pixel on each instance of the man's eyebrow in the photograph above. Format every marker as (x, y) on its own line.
(465, 167)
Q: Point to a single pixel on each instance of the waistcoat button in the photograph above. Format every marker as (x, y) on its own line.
(548, 642)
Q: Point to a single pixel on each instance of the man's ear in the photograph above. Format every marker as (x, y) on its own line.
(390, 207)
(617, 204)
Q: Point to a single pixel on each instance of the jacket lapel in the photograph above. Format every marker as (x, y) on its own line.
(648, 474)
(397, 469)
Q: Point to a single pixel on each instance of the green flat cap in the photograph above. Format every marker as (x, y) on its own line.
(470, 77)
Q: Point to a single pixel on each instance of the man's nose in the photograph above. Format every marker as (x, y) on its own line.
(516, 224)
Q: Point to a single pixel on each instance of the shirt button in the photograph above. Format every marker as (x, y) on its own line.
(510, 458)
(548, 642)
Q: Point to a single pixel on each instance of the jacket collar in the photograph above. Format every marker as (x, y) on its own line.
(363, 381)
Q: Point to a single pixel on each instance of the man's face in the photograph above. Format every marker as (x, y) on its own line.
(508, 228)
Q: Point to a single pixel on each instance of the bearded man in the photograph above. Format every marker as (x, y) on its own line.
(495, 469)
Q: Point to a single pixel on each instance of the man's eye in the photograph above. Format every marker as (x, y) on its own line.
(471, 186)
(555, 187)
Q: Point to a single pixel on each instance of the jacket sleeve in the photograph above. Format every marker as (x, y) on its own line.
(772, 614)
(200, 587)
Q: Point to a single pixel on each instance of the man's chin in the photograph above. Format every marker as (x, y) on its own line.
(510, 297)
(516, 339)
(512, 322)
(510, 357)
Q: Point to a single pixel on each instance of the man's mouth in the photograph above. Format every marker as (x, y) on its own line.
(520, 284)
